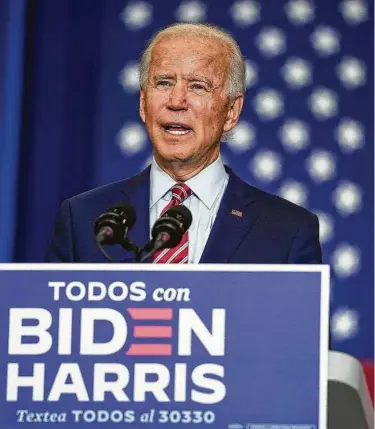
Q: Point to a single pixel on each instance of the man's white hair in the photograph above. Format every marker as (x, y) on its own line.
(237, 71)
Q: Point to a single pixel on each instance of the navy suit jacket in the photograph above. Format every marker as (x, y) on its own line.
(271, 230)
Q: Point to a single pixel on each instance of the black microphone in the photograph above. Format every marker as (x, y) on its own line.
(168, 230)
(112, 226)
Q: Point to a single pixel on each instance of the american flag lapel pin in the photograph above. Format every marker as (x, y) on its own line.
(236, 213)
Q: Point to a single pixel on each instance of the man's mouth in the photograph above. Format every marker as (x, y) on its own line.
(176, 129)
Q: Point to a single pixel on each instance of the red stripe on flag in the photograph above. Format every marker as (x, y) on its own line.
(368, 367)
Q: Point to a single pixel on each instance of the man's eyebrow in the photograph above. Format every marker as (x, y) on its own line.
(192, 77)
(163, 76)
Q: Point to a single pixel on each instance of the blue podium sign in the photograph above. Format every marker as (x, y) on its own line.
(195, 346)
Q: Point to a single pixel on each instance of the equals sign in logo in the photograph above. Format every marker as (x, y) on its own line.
(151, 331)
(236, 426)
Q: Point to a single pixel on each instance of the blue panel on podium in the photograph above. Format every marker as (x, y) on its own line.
(196, 346)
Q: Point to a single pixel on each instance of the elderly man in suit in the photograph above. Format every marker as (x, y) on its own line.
(192, 80)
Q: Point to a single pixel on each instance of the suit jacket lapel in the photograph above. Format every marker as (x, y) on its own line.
(233, 221)
(229, 228)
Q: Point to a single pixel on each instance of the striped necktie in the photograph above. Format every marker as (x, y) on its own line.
(180, 253)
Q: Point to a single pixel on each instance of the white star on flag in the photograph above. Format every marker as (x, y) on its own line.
(325, 40)
(137, 15)
(346, 260)
(245, 12)
(295, 192)
(242, 137)
(300, 12)
(350, 135)
(271, 41)
(294, 135)
(129, 77)
(351, 72)
(296, 72)
(132, 138)
(344, 324)
(266, 166)
(354, 11)
(347, 198)
(323, 103)
(321, 165)
(191, 11)
(269, 104)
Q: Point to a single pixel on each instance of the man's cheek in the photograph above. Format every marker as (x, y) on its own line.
(197, 103)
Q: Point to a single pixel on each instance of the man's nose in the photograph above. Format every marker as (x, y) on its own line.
(177, 97)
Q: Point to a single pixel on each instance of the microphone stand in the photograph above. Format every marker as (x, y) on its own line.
(126, 244)
(129, 245)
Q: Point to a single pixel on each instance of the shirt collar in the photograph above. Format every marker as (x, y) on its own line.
(205, 185)
(160, 183)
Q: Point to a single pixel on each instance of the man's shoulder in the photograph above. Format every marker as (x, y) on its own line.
(274, 206)
(107, 191)
(91, 203)
(279, 204)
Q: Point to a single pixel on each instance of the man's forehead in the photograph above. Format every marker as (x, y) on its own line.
(172, 51)
(195, 63)
(192, 47)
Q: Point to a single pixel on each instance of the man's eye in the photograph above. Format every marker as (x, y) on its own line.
(163, 83)
(198, 86)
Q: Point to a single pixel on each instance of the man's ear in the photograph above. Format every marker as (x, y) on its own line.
(234, 112)
(142, 106)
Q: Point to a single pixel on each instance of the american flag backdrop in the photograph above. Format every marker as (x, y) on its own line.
(306, 130)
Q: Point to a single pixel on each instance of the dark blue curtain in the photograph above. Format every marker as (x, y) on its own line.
(12, 16)
(61, 81)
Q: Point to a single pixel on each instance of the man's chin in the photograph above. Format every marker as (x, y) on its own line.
(174, 158)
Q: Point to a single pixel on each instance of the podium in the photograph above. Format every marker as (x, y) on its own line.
(178, 346)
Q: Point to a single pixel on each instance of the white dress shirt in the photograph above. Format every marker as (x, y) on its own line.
(207, 187)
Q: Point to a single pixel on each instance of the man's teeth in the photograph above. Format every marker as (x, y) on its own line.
(177, 132)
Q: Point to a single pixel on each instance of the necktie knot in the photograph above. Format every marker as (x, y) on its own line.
(180, 192)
